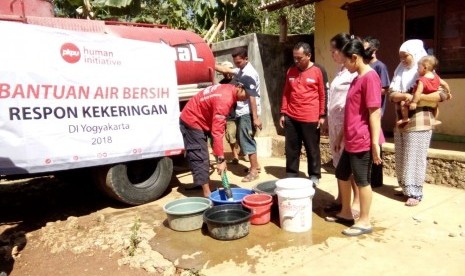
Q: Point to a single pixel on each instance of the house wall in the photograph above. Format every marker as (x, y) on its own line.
(330, 19)
(452, 114)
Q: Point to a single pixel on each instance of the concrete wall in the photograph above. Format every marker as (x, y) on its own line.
(445, 167)
(271, 59)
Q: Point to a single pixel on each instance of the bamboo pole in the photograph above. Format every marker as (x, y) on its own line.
(215, 32)
(209, 31)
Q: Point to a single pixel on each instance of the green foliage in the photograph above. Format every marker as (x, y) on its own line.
(239, 16)
(171, 12)
(241, 19)
(111, 3)
(300, 21)
(134, 239)
(66, 8)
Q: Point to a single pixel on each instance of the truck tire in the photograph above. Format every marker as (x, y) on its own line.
(137, 182)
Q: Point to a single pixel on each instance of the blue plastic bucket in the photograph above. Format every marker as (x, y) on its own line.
(219, 198)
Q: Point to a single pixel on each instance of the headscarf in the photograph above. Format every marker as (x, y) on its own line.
(405, 78)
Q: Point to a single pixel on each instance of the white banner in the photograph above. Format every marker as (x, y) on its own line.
(73, 99)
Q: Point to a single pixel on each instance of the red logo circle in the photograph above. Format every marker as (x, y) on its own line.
(70, 53)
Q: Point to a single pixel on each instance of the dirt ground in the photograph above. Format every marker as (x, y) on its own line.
(51, 227)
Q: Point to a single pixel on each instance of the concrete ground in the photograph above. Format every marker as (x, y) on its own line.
(428, 239)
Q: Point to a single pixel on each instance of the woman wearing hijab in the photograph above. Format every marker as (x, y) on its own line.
(412, 141)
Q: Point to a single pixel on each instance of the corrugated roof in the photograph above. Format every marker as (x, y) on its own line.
(279, 4)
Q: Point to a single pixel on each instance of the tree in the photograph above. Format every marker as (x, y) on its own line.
(300, 21)
(240, 16)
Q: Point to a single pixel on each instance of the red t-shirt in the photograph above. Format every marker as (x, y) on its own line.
(362, 95)
(429, 85)
(208, 110)
(304, 94)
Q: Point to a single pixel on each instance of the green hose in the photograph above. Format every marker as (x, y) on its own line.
(227, 188)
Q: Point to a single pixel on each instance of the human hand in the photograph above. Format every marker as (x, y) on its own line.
(321, 121)
(281, 121)
(324, 129)
(408, 97)
(376, 154)
(221, 167)
(257, 123)
(413, 106)
(337, 147)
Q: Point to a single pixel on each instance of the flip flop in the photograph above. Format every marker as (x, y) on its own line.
(233, 161)
(354, 231)
(340, 220)
(334, 207)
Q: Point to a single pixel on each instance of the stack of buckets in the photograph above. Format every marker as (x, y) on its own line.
(295, 203)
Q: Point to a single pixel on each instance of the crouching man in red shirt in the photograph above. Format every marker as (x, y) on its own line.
(206, 114)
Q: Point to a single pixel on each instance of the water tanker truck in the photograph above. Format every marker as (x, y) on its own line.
(95, 97)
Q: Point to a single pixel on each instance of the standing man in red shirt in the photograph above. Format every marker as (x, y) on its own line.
(205, 114)
(303, 112)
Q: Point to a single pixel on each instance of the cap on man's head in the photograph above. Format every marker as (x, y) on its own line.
(227, 64)
(249, 84)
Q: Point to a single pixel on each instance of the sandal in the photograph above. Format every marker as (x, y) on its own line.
(247, 170)
(355, 230)
(334, 207)
(412, 202)
(340, 220)
(250, 177)
(233, 161)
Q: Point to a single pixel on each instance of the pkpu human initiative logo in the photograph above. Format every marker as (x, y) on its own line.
(70, 53)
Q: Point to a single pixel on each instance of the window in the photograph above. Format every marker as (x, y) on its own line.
(421, 28)
(452, 37)
(439, 23)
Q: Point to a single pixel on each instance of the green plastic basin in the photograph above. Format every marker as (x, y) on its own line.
(186, 214)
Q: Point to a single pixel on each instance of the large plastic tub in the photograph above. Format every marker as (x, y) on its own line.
(228, 221)
(186, 214)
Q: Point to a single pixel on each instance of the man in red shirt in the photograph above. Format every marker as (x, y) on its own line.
(206, 114)
(303, 112)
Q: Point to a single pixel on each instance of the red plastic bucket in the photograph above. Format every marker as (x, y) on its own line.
(260, 205)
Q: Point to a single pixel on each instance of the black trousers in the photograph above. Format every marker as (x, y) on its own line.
(295, 133)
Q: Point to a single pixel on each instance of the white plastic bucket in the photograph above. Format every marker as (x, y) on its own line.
(295, 203)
